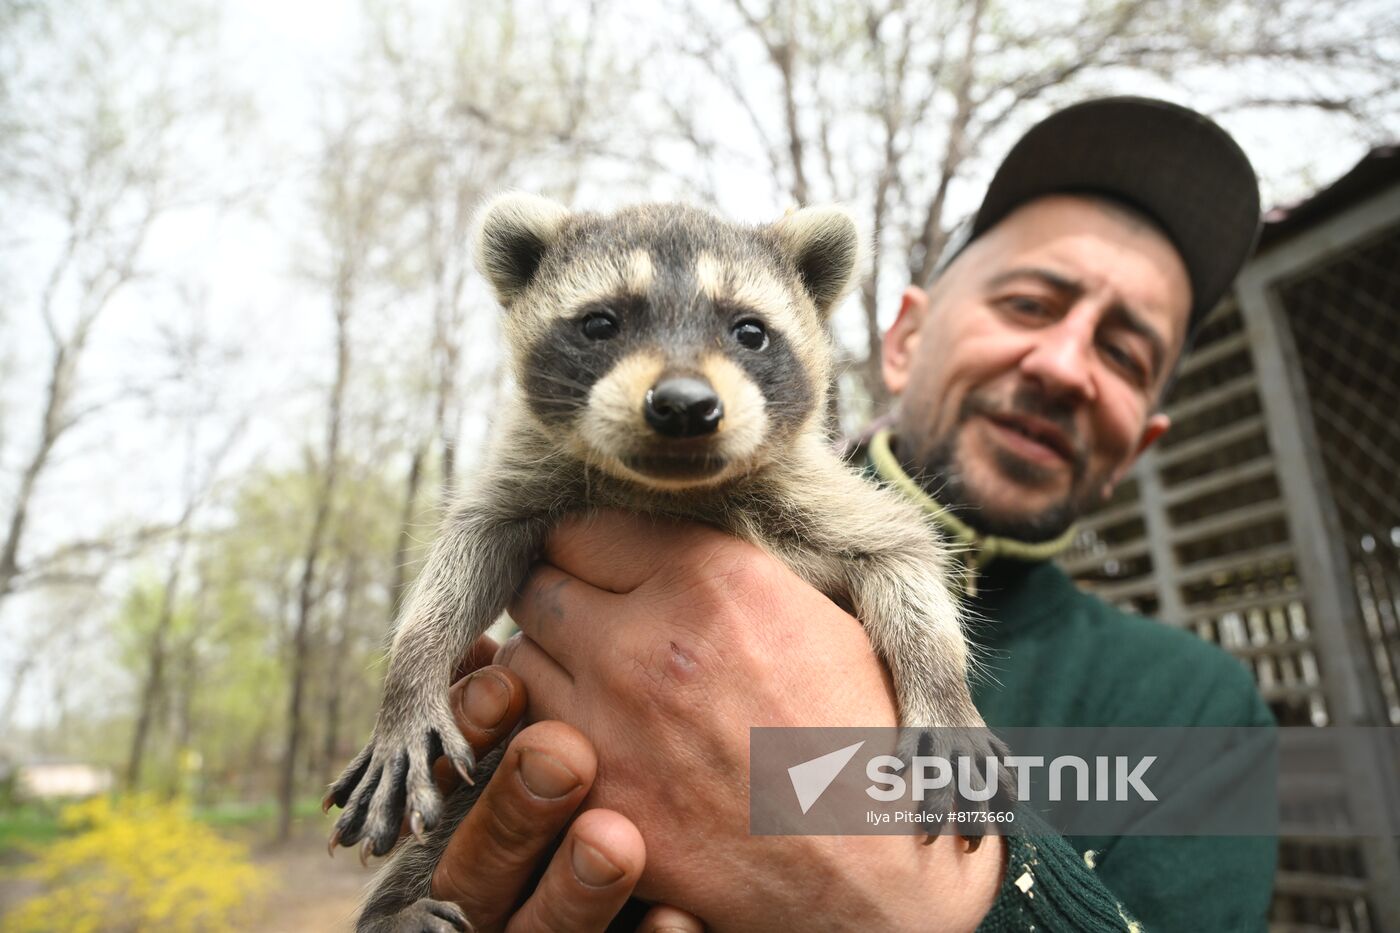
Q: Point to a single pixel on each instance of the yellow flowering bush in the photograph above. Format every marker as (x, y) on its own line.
(136, 864)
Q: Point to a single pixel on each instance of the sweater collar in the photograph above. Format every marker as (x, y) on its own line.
(1013, 595)
(977, 551)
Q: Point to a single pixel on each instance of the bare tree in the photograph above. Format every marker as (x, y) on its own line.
(504, 94)
(98, 110)
(352, 181)
(890, 105)
(197, 376)
(339, 642)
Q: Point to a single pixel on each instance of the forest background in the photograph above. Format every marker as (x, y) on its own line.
(244, 357)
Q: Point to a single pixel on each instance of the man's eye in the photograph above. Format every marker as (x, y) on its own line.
(1126, 361)
(1028, 307)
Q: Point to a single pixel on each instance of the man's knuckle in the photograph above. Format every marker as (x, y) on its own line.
(725, 585)
(559, 908)
(510, 832)
(448, 883)
(460, 884)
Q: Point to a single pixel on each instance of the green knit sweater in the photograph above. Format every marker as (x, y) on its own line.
(1056, 656)
(1049, 887)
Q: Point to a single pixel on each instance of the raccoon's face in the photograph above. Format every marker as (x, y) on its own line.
(662, 344)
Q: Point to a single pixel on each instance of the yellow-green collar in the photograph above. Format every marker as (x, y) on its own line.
(981, 550)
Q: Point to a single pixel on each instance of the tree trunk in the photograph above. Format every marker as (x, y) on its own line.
(933, 238)
(314, 544)
(63, 371)
(153, 685)
(17, 678)
(339, 651)
(151, 691)
(184, 720)
(50, 428)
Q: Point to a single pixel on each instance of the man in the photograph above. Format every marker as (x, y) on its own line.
(1030, 378)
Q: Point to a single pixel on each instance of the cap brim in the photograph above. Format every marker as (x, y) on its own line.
(1169, 162)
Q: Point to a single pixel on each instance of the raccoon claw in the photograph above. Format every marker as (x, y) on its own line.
(389, 784)
(973, 843)
(955, 745)
(464, 770)
(350, 778)
(426, 915)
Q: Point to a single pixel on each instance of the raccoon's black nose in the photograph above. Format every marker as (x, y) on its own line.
(683, 406)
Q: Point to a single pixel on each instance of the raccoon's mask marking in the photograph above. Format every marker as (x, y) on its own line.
(663, 344)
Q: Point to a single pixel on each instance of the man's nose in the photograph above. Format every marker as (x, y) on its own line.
(1061, 359)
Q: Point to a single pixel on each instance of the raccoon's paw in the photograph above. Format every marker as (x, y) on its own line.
(969, 802)
(392, 778)
(426, 915)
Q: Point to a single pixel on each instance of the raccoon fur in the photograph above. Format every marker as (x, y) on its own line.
(672, 363)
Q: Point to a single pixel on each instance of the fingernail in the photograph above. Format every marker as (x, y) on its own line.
(486, 699)
(545, 776)
(592, 867)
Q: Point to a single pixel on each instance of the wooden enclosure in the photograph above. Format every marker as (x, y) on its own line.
(1268, 520)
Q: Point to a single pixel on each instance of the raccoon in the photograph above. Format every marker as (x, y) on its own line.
(671, 363)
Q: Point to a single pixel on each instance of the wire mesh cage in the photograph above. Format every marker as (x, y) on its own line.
(1345, 319)
(1268, 520)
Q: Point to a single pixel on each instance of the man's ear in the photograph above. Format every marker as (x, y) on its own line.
(902, 339)
(825, 245)
(1156, 426)
(512, 236)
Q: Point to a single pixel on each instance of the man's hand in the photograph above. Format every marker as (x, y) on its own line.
(664, 643)
(495, 855)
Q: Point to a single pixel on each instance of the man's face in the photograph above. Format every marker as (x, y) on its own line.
(1028, 377)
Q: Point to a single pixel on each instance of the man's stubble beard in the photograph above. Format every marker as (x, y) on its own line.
(937, 468)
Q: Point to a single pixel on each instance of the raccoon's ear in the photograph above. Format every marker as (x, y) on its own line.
(512, 236)
(825, 244)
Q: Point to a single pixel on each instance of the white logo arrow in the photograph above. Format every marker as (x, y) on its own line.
(811, 778)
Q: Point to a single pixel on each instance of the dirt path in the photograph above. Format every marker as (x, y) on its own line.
(311, 891)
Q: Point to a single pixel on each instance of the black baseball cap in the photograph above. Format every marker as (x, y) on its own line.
(1167, 161)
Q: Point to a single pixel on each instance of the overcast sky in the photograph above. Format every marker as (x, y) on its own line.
(288, 54)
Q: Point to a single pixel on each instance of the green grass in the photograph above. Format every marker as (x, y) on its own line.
(263, 814)
(27, 825)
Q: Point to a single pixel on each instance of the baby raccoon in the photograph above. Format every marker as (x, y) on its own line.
(669, 363)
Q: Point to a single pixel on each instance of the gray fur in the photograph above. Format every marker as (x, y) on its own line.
(865, 547)
(405, 879)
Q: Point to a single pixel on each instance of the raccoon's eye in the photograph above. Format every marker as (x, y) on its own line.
(600, 325)
(750, 334)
